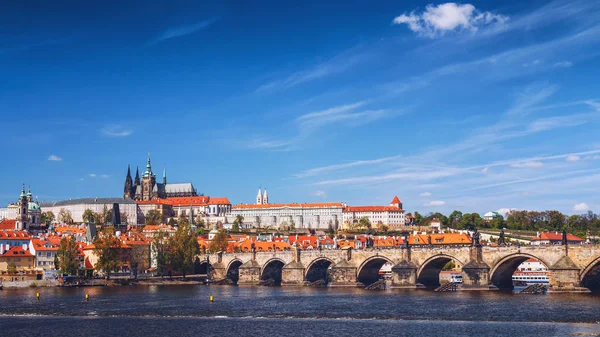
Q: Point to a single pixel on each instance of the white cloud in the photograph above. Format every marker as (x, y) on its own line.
(437, 20)
(504, 211)
(425, 194)
(563, 64)
(259, 142)
(93, 175)
(528, 164)
(320, 193)
(435, 203)
(573, 158)
(532, 63)
(105, 176)
(581, 207)
(116, 131)
(182, 31)
(54, 158)
(485, 169)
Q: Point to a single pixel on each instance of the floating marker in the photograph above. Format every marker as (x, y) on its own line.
(211, 298)
(37, 296)
(87, 297)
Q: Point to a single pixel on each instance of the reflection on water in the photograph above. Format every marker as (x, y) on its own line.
(311, 308)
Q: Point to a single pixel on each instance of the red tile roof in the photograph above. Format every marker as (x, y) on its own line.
(314, 205)
(187, 201)
(17, 251)
(555, 237)
(44, 245)
(14, 235)
(8, 224)
(395, 200)
(372, 209)
(219, 201)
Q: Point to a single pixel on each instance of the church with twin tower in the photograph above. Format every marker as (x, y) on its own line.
(146, 187)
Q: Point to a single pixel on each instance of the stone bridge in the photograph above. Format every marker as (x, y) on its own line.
(571, 268)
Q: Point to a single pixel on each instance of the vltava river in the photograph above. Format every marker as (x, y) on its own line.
(265, 311)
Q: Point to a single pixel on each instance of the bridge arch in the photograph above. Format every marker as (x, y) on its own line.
(368, 272)
(428, 273)
(233, 270)
(318, 269)
(201, 266)
(590, 276)
(272, 270)
(502, 272)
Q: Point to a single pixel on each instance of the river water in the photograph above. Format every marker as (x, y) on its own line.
(279, 311)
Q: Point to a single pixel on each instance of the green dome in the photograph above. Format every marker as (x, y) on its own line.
(33, 206)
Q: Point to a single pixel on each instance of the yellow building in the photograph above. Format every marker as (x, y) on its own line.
(17, 264)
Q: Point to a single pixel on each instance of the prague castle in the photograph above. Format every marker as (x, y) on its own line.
(148, 189)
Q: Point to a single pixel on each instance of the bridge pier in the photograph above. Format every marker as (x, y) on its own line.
(292, 274)
(343, 274)
(476, 273)
(249, 273)
(564, 277)
(404, 275)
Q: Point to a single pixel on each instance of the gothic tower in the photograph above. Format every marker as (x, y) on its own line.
(165, 176)
(148, 182)
(259, 200)
(128, 188)
(22, 209)
(265, 199)
(137, 182)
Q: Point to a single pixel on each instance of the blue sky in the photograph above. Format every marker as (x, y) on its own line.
(477, 106)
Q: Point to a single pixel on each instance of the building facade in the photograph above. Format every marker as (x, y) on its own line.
(392, 215)
(299, 215)
(76, 207)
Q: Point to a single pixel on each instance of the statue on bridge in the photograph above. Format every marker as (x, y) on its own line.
(406, 243)
(475, 239)
(429, 240)
(501, 239)
(564, 237)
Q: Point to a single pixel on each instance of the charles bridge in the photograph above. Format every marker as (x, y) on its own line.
(571, 268)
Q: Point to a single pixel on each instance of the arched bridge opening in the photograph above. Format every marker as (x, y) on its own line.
(369, 272)
(233, 271)
(502, 273)
(201, 267)
(429, 273)
(271, 273)
(318, 271)
(590, 277)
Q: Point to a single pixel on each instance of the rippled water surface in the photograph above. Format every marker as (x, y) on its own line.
(264, 311)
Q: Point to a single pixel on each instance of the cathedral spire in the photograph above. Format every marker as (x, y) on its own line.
(165, 176)
(137, 176)
(128, 171)
(148, 172)
(23, 191)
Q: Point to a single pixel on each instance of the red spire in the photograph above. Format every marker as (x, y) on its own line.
(395, 201)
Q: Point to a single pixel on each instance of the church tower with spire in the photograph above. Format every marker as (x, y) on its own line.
(128, 189)
(22, 209)
(259, 198)
(148, 182)
(265, 198)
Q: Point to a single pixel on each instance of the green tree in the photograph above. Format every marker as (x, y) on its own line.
(219, 242)
(64, 216)
(88, 216)
(47, 217)
(449, 266)
(237, 223)
(292, 225)
(107, 248)
(160, 251)
(12, 268)
(364, 223)
(183, 248)
(67, 256)
(418, 218)
(470, 221)
(153, 217)
(454, 218)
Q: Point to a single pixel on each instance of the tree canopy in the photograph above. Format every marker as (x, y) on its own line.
(153, 217)
(219, 242)
(108, 249)
(183, 248)
(67, 256)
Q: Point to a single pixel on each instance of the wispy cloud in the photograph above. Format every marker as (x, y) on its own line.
(259, 142)
(563, 64)
(183, 30)
(93, 175)
(116, 131)
(425, 194)
(581, 207)
(319, 193)
(435, 203)
(54, 158)
(336, 65)
(573, 158)
(438, 20)
(528, 164)
(105, 176)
